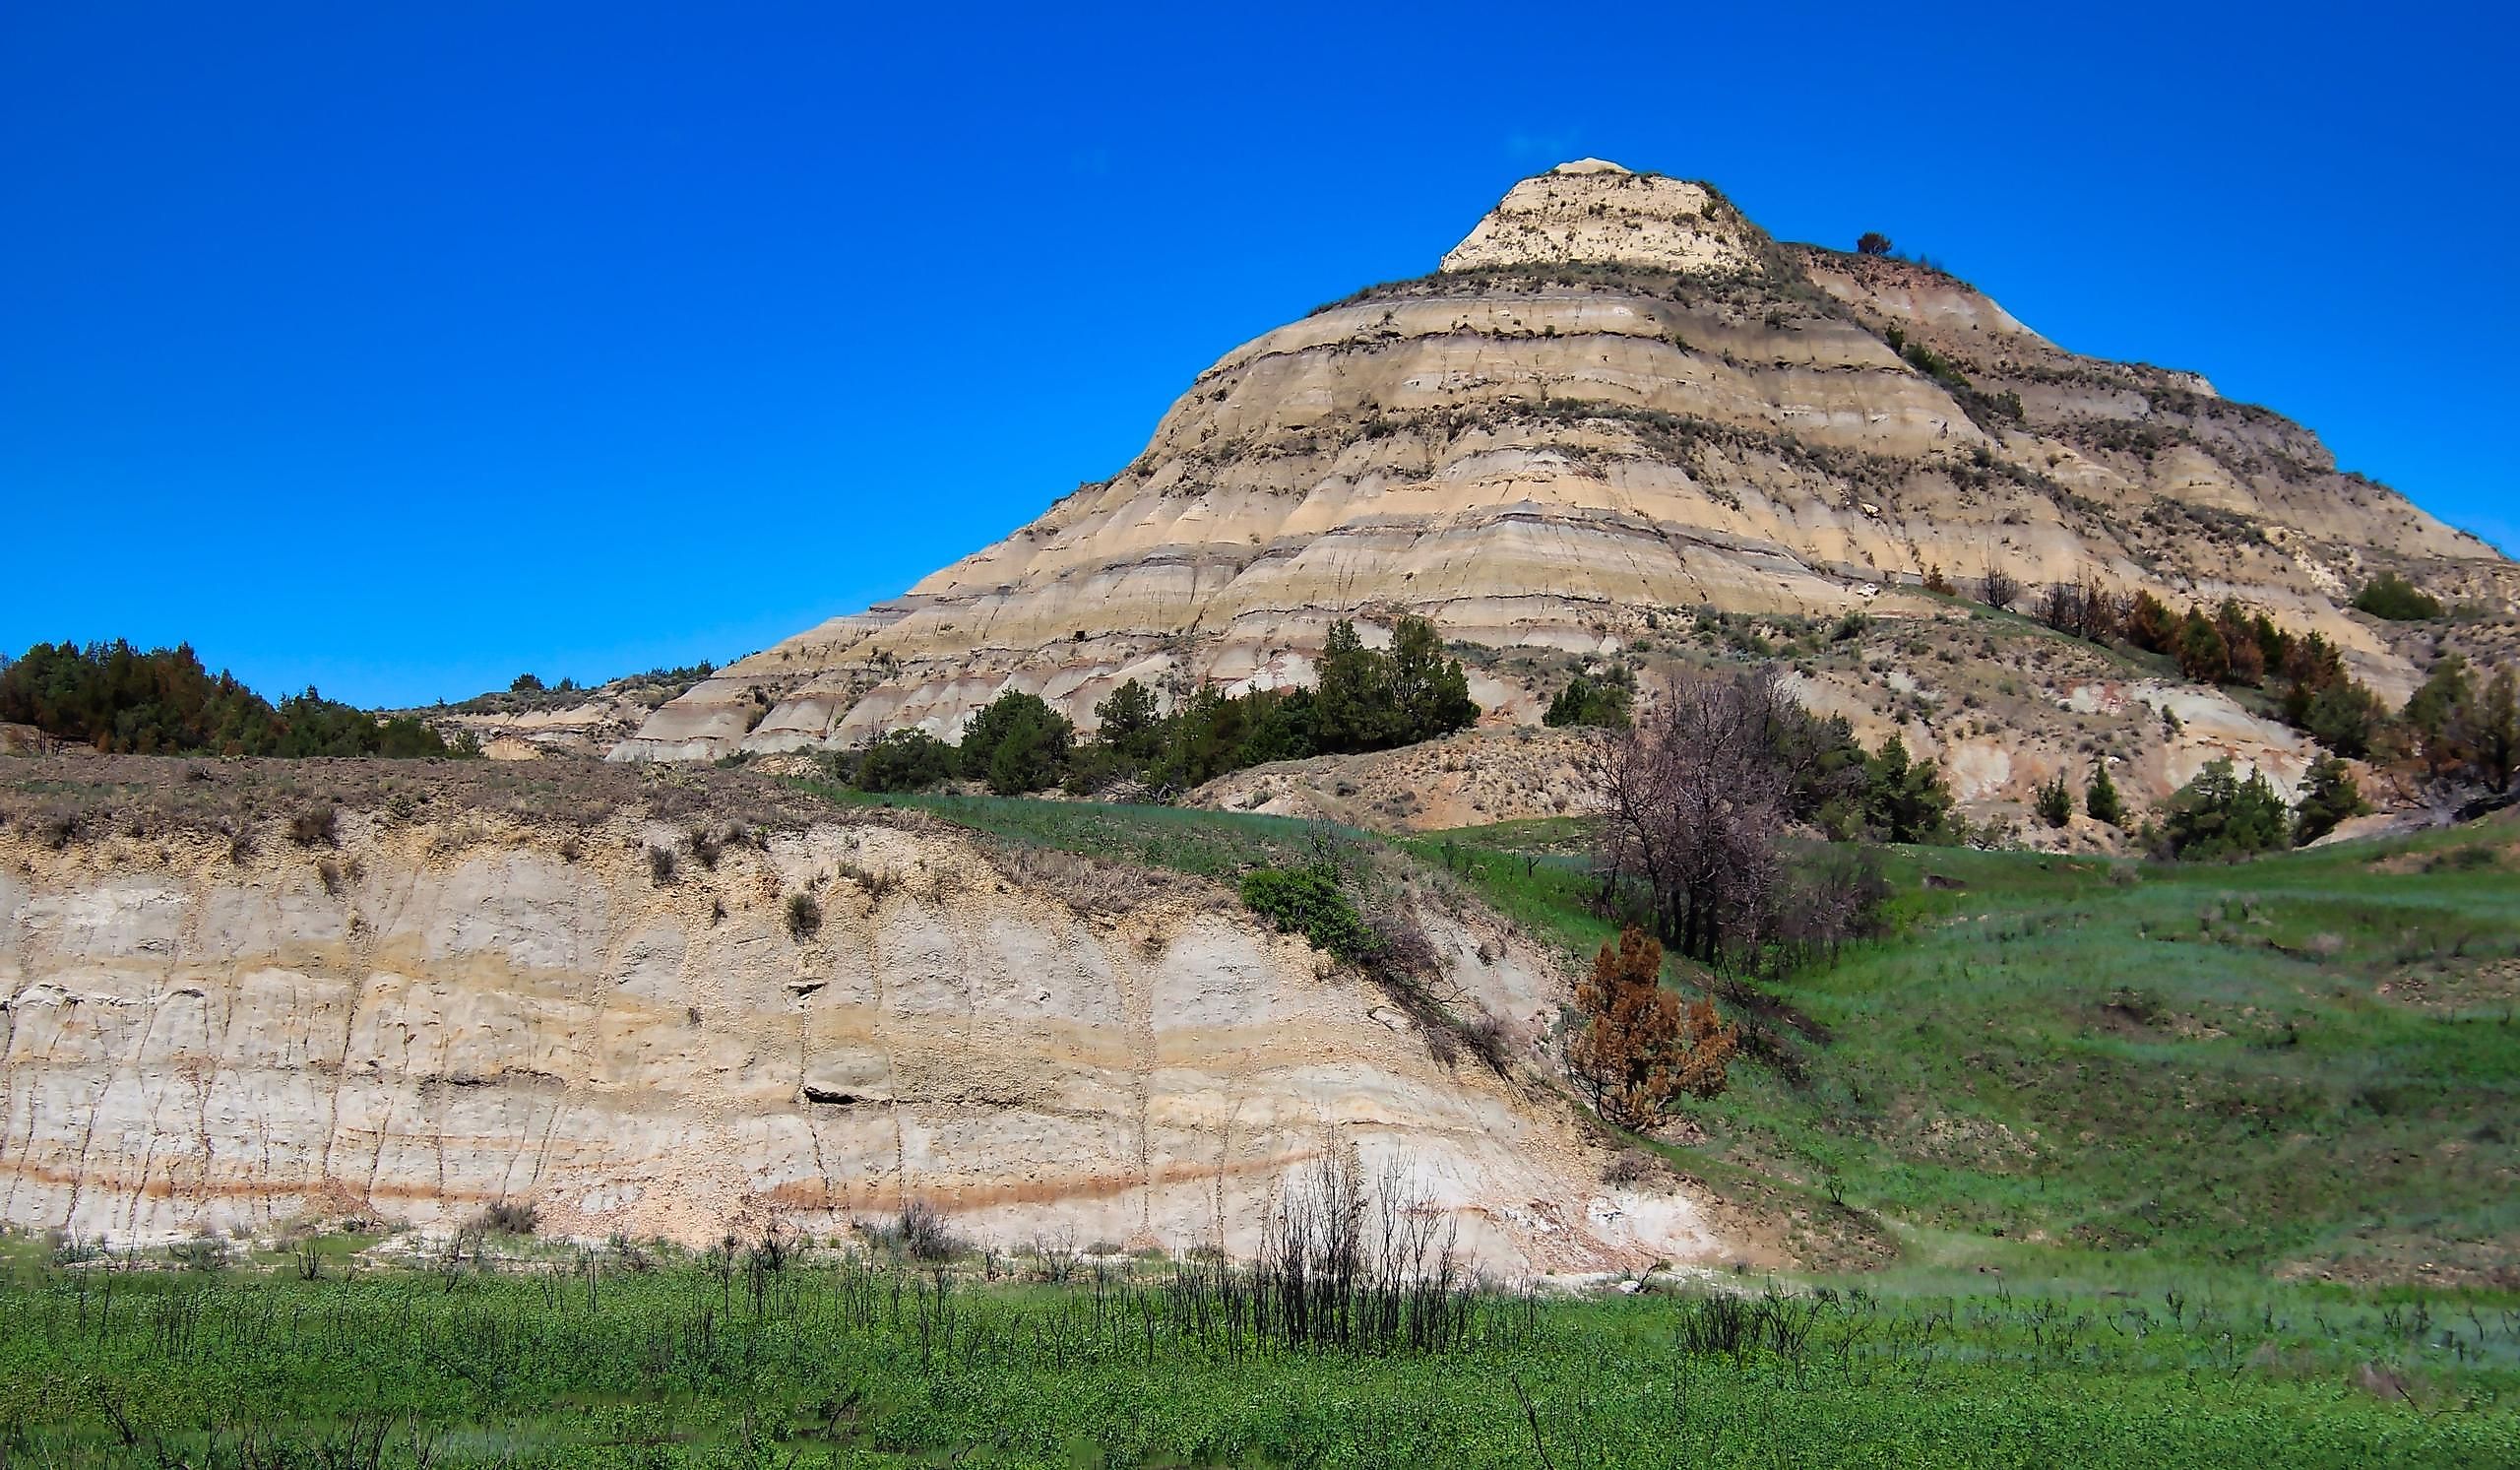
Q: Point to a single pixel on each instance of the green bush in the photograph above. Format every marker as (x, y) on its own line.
(2329, 795)
(1308, 901)
(1017, 744)
(2101, 800)
(116, 698)
(2392, 597)
(1602, 704)
(2055, 803)
(2220, 815)
(1905, 799)
(905, 760)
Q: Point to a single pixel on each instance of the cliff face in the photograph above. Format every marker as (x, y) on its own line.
(1618, 399)
(433, 1015)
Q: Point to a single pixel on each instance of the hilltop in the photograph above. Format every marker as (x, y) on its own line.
(1618, 410)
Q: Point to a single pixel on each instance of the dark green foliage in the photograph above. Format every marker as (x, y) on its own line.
(2434, 712)
(1872, 243)
(2202, 652)
(2392, 597)
(1603, 703)
(2344, 717)
(1905, 799)
(116, 698)
(905, 760)
(1366, 700)
(1213, 734)
(804, 916)
(2055, 802)
(1370, 700)
(525, 683)
(1017, 744)
(2220, 815)
(1126, 721)
(2328, 797)
(2101, 800)
(2494, 725)
(1308, 901)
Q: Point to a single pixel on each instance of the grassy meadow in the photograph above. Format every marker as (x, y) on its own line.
(2156, 1166)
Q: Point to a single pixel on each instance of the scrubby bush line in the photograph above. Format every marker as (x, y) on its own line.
(113, 697)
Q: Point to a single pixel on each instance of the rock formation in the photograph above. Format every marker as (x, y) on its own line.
(1618, 400)
(416, 1017)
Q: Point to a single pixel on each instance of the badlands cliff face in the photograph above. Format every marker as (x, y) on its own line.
(1618, 399)
(425, 1016)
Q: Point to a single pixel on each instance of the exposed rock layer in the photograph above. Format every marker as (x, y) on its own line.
(196, 1034)
(1618, 398)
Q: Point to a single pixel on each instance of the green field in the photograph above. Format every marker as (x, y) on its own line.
(836, 1365)
(2160, 1166)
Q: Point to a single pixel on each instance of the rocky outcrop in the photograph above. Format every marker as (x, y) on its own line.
(1618, 400)
(421, 1017)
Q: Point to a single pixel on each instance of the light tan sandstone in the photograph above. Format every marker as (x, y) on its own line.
(432, 1016)
(1619, 400)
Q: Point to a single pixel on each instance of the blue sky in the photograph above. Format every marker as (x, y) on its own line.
(399, 349)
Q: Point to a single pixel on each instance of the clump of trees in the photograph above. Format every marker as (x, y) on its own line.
(2222, 814)
(2230, 645)
(1604, 701)
(1640, 1049)
(1365, 699)
(117, 698)
(2464, 729)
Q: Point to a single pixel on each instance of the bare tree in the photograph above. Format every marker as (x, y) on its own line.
(1696, 800)
(2060, 607)
(2001, 587)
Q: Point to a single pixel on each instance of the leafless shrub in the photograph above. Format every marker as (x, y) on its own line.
(1632, 1167)
(1089, 885)
(923, 1233)
(2000, 588)
(512, 1217)
(1695, 804)
(316, 826)
(1490, 1042)
(1055, 1256)
(661, 867)
(705, 845)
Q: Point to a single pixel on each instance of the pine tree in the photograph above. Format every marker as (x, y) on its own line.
(2099, 798)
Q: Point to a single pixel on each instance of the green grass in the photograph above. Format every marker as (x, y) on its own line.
(839, 1365)
(2119, 1118)
(2082, 1056)
(1204, 843)
(2198, 1064)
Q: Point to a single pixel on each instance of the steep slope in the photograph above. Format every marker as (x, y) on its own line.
(1618, 398)
(420, 1015)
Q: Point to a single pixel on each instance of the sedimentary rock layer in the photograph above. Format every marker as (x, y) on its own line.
(427, 1017)
(1617, 398)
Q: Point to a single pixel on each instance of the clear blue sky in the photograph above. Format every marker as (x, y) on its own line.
(401, 353)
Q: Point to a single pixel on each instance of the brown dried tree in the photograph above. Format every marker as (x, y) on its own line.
(1641, 1049)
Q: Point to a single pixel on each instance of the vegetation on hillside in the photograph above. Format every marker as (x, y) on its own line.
(1364, 699)
(113, 697)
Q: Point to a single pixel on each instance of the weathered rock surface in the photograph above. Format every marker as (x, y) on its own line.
(1618, 400)
(197, 1032)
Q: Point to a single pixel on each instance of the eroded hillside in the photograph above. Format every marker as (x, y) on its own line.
(1617, 401)
(236, 994)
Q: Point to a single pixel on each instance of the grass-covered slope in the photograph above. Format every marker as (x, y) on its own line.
(2307, 1064)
